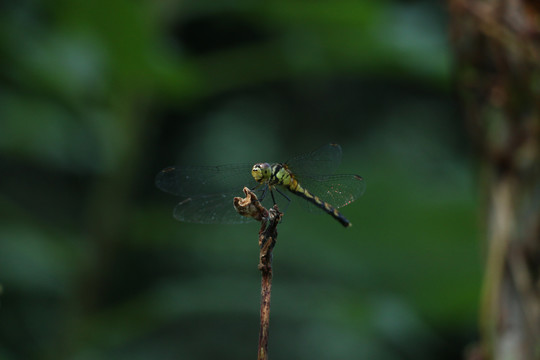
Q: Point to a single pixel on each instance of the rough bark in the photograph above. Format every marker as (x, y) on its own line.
(497, 51)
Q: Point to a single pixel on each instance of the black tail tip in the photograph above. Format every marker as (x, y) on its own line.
(345, 223)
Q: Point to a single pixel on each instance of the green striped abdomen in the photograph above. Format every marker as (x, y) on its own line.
(296, 189)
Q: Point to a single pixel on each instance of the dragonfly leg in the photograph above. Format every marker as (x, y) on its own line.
(284, 206)
(273, 198)
(264, 192)
(282, 194)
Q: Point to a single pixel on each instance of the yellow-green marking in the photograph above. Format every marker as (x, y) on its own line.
(279, 174)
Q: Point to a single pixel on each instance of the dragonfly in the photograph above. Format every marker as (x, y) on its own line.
(207, 192)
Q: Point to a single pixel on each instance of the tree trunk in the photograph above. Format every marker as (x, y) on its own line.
(497, 51)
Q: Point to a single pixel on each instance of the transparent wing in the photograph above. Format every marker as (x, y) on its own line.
(337, 190)
(190, 181)
(322, 161)
(210, 209)
(207, 191)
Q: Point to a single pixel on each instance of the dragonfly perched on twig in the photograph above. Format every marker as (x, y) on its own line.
(207, 192)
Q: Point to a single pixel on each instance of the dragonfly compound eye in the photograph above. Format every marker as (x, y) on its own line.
(261, 172)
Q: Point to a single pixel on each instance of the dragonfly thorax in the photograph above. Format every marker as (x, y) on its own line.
(271, 174)
(281, 175)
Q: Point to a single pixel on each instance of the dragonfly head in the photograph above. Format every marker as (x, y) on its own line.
(261, 172)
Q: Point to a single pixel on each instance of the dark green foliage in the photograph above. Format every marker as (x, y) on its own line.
(97, 96)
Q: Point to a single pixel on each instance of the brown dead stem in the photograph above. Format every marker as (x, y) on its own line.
(251, 207)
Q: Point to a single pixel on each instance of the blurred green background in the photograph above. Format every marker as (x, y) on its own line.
(96, 97)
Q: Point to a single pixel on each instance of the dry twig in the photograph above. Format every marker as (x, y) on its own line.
(250, 206)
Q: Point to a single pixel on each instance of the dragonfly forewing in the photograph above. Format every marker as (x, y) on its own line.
(322, 161)
(191, 181)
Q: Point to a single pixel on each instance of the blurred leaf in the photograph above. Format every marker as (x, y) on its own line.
(31, 261)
